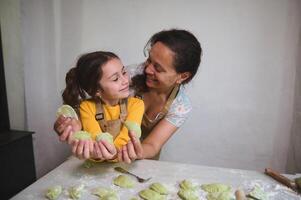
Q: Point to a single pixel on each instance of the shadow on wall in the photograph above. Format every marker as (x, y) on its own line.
(294, 156)
(52, 32)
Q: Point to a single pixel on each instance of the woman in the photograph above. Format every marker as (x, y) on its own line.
(174, 58)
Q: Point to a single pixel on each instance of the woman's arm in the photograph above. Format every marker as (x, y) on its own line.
(157, 138)
(150, 146)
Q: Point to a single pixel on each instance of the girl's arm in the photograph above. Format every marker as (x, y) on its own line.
(135, 111)
(65, 127)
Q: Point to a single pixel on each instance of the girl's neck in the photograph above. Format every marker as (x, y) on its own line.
(110, 102)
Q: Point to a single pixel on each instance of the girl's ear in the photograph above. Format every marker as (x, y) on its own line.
(98, 93)
(182, 77)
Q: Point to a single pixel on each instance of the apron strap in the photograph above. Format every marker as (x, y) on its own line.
(148, 123)
(170, 99)
(100, 116)
(123, 109)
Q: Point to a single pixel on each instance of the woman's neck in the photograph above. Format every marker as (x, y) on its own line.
(162, 94)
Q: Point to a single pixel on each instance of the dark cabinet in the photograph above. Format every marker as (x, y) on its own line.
(17, 168)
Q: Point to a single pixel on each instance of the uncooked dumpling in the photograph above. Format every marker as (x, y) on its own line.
(81, 135)
(105, 136)
(66, 111)
(124, 181)
(133, 126)
(220, 196)
(105, 193)
(149, 194)
(258, 193)
(159, 188)
(76, 191)
(88, 164)
(186, 184)
(215, 187)
(188, 194)
(54, 192)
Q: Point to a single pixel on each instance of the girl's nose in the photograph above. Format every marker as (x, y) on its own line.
(125, 79)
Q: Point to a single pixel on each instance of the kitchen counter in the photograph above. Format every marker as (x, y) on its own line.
(72, 172)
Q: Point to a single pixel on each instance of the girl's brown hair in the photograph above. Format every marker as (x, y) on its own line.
(84, 78)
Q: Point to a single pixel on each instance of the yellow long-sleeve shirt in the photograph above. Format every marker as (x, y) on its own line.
(135, 110)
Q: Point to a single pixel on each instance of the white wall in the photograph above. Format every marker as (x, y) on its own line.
(243, 96)
(13, 61)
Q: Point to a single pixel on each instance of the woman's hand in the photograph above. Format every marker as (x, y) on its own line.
(82, 149)
(65, 127)
(131, 151)
(104, 150)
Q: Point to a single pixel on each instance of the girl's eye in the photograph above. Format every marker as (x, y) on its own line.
(116, 79)
(124, 72)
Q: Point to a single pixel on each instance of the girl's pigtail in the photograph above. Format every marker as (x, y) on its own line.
(72, 93)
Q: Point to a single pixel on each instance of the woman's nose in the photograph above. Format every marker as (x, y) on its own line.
(149, 68)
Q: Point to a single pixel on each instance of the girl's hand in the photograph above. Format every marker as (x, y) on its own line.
(104, 150)
(131, 151)
(82, 149)
(65, 127)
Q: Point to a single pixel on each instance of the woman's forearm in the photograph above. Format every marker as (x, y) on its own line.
(149, 150)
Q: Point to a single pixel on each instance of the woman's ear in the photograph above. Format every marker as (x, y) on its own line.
(183, 76)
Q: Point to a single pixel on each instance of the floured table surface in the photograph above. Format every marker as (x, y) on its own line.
(73, 172)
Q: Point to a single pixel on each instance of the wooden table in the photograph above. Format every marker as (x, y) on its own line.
(72, 172)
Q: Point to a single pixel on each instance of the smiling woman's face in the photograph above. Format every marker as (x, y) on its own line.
(114, 81)
(159, 69)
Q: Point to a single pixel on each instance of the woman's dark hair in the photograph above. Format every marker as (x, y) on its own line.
(84, 77)
(186, 48)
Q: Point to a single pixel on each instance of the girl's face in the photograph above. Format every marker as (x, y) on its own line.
(159, 68)
(114, 82)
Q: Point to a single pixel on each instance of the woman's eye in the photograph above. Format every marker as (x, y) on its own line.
(157, 68)
(147, 61)
(124, 73)
(115, 79)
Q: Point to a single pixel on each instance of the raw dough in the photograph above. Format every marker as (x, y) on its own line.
(216, 187)
(76, 191)
(186, 184)
(105, 136)
(88, 164)
(81, 135)
(187, 191)
(298, 182)
(105, 193)
(258, 193)
(110, 197)
(159, 188)
(53, 192)
(149, 194)
(133, 126)
(124, 181)
(66, 111)
(220, 196)
(188, 194)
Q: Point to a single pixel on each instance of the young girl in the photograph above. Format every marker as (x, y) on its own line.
(98, 87)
